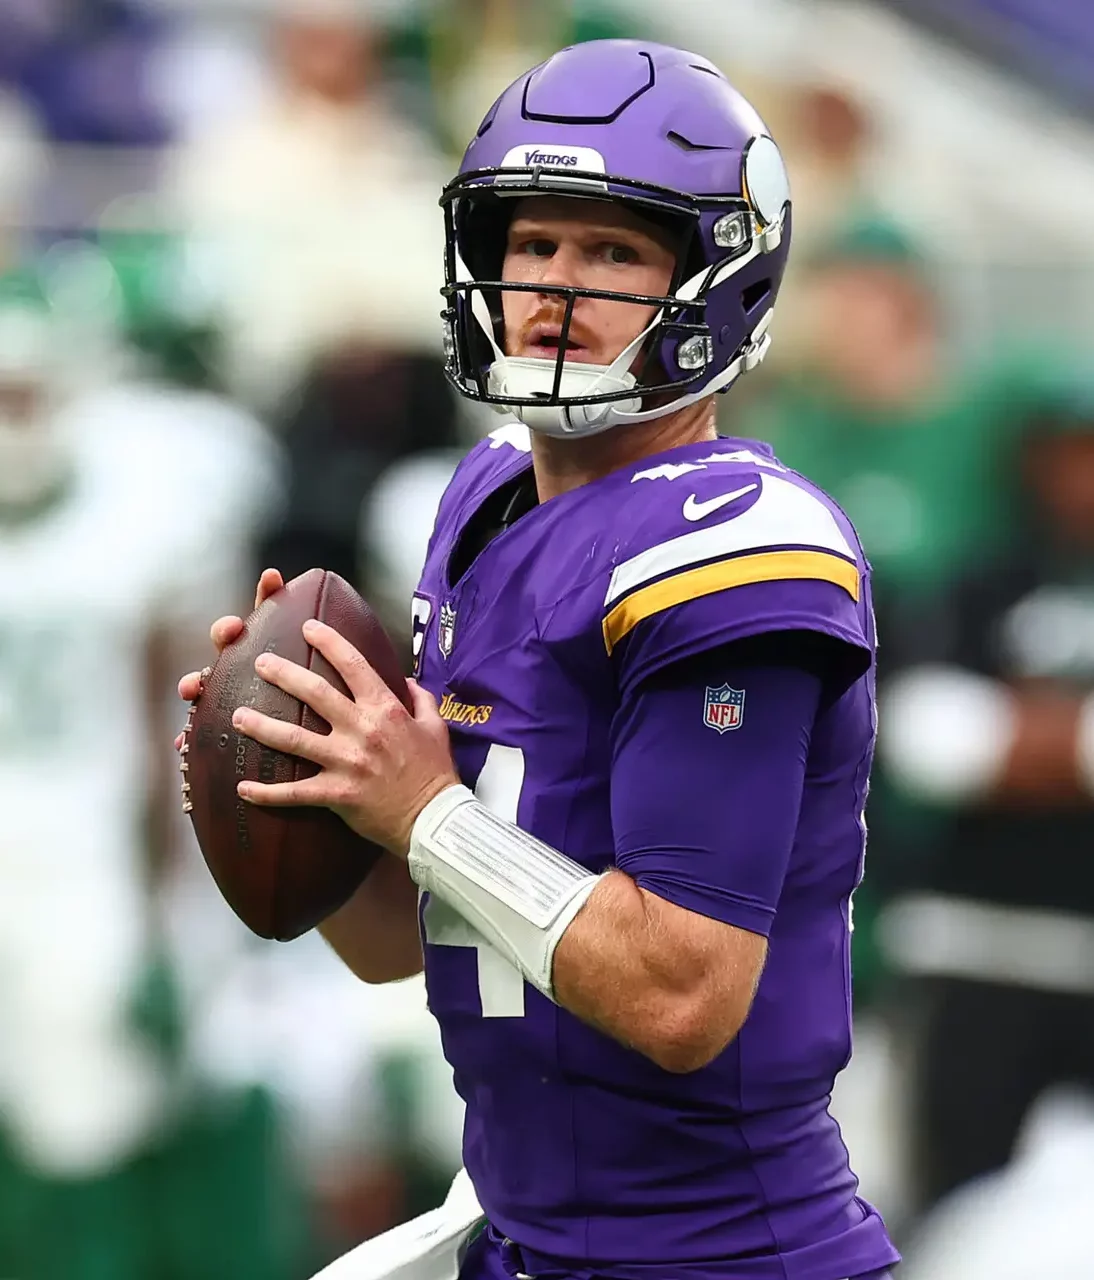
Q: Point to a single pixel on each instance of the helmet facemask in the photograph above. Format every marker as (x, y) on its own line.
(652, 376)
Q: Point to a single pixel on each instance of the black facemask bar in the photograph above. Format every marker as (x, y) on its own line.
(467, 367)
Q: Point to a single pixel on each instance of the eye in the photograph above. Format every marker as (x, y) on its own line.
(620, 254)
(538, 248)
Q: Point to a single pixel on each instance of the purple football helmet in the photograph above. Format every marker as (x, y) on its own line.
(663, 132)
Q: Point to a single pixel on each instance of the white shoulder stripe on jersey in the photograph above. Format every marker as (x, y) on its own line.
(783, 515)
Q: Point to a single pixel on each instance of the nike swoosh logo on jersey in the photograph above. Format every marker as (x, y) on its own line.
(700, 510)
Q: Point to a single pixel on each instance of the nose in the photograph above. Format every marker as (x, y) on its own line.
(563, 267)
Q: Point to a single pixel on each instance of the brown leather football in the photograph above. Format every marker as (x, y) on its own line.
(281, 870)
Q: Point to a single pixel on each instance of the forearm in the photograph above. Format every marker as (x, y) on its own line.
(671, 983)
(664, 951)
(376, 933)
(612, 969)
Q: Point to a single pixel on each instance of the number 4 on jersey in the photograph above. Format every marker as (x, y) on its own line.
(501, 987)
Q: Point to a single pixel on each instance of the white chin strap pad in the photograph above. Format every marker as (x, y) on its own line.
(579, 420)
(521, 377)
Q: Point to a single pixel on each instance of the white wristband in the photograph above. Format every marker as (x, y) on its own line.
(1084, 753)
(518, 892)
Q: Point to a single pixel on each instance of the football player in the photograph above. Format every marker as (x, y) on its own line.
(625, 819)
(79, 1090)
(102, 584)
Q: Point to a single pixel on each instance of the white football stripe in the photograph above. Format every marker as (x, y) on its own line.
(783, 515)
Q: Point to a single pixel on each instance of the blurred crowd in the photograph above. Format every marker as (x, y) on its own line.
(220, 251)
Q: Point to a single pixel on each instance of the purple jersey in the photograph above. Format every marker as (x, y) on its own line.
(581, 1149)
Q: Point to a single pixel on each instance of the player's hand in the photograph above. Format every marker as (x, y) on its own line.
(379, 766)
(223, 632)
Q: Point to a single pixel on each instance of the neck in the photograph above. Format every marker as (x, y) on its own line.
(562, 465)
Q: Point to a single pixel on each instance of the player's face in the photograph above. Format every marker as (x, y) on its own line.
(590, 245)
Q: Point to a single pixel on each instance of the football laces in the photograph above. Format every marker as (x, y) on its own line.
(184, 749)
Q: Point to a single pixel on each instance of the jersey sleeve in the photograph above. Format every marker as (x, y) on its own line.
(705, 802)
(732, 557)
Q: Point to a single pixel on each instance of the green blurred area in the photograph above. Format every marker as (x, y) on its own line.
(214, 1198)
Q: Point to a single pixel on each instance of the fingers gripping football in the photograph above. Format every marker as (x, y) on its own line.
(379, 765)
(224, 632)
(269, 583)
(337, 710)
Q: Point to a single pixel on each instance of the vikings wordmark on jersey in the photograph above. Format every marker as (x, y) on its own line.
(571, 1138)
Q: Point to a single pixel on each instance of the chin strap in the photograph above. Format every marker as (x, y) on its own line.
(752, 355)
(574, 420)
(523, 376)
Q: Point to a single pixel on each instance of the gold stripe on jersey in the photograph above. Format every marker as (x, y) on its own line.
(768, 566)
(784, 515)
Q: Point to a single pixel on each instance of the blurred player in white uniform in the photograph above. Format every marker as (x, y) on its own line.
(125, 513)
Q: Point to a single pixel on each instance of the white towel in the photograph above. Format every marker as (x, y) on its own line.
(429, 1247)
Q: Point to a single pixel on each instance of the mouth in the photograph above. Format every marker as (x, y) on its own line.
(544, 342)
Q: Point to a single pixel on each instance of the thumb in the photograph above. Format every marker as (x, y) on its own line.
(423, 705)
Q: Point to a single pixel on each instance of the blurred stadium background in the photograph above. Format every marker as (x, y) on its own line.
(219, 348)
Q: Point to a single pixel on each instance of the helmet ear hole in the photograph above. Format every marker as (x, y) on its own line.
(754, 294)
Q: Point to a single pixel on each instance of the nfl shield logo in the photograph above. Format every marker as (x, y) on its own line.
(724, 708)
(446, 628)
